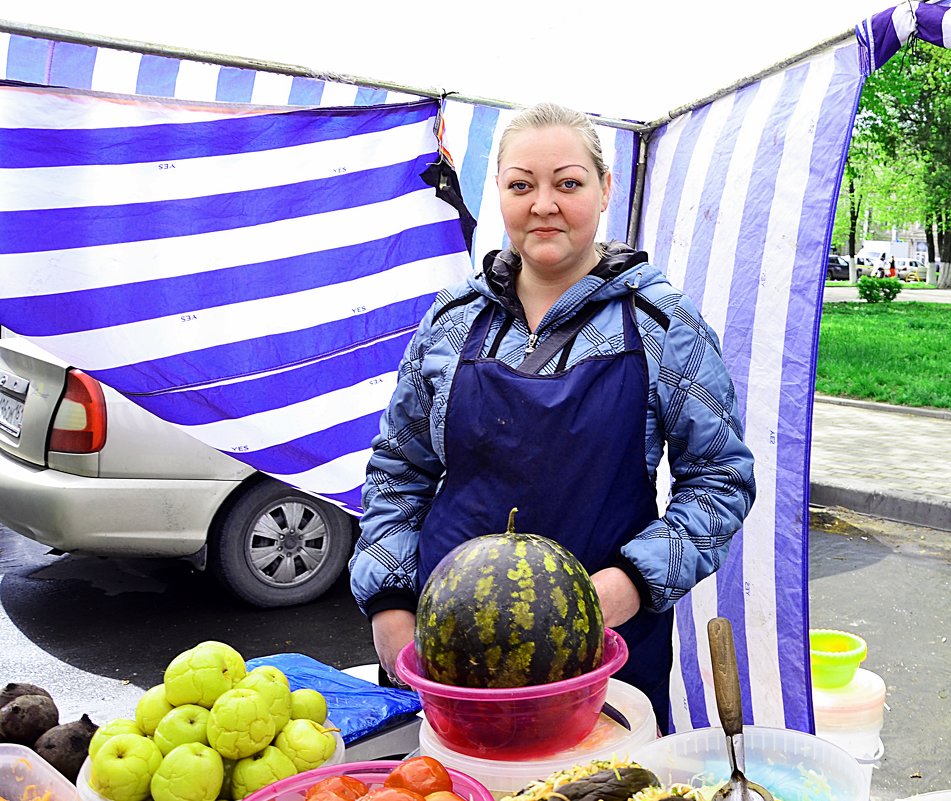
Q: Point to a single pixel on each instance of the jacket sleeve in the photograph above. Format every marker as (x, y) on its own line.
(402, 476)
(711, 467)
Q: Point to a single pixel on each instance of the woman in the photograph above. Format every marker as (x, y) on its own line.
(551, 381)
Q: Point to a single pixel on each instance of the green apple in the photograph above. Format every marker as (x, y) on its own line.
(111, 729)
(259, 770)
(200, 674)
(232, 657)
(275, 691)
(240, 723)
(189, 772)
(152, 707)
(187, 723)
(273, 672)
(309, 704)
(123, 767)
(306, 743)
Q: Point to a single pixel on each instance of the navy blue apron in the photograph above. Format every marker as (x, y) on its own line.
(567, 449)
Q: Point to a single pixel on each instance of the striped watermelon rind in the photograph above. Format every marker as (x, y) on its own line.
(508, 610)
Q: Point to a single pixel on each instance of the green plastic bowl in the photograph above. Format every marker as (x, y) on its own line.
(834, 656)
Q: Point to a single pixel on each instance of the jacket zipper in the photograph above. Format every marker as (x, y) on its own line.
(530, 345)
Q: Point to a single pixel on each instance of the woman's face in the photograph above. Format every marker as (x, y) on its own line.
(551, 200)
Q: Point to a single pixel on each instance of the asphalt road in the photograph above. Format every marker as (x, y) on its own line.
(97, 632)
(891, 584)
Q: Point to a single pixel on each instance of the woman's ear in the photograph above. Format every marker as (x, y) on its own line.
(605, 191)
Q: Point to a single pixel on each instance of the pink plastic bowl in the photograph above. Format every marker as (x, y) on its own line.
(370, 773)
(514, 723)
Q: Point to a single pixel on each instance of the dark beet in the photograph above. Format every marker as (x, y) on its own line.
(66, 746)
(26, 717)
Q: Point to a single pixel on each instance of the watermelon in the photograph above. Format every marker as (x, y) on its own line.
(508, 610)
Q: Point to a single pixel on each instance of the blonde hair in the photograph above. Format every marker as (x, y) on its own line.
(551, 115)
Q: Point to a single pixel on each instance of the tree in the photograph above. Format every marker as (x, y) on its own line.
(898, 171)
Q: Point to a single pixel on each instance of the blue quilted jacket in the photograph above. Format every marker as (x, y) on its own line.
(691, 408)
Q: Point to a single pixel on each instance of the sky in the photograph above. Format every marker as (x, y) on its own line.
(629, 59)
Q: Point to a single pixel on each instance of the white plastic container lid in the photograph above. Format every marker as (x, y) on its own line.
(607, 739)
(859, 705)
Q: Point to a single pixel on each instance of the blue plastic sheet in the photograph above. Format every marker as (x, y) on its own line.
(357, 707)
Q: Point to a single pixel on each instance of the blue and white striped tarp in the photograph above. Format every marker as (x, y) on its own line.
(739, 200)
(472, 131)
(251, 278)
(739, 206)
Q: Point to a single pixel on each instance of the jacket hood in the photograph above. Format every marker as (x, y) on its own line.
(619, 269)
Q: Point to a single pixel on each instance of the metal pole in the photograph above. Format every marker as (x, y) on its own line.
(61, 35)
(739, 84)
(638, 200)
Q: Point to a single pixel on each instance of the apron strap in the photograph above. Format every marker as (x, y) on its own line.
(542, 354)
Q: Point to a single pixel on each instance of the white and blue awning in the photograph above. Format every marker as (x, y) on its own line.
(218, 271)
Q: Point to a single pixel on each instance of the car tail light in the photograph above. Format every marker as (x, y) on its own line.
(80, 422)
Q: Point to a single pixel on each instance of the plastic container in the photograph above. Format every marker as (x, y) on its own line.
(86, 793)
(514, 723)
(834, 657)
(605, 740)
(852, 717)
(370, 773)
(26, 776)
(793, 766)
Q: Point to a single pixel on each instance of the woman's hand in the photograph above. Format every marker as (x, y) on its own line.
(620, 600)
(392, 630)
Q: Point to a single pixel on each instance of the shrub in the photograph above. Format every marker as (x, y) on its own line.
(875, 290)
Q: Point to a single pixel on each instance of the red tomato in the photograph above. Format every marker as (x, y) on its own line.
(444, 795)
(422, 774)
(383, 793)
(336, 788)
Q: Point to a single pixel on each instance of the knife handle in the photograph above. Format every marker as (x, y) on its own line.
(726, 679)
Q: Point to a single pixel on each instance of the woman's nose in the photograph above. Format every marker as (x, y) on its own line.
(545, 203)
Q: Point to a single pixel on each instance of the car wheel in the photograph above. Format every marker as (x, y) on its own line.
(277, 546)
(829, 275)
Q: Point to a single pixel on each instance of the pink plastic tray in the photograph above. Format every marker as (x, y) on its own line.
(370, 773)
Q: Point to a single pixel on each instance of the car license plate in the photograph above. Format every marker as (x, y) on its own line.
(11, 413)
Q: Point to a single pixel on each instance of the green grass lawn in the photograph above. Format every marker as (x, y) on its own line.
(888, 352)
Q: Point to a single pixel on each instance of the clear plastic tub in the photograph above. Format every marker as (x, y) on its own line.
(852, 716)
(792, 765)
(606, 740)
(26, 776)
(370, 773)
(514, 723)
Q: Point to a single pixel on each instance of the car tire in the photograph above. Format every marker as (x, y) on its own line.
(276, 546)
(829, 275)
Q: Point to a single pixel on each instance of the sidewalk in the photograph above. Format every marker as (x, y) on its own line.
(886, 461)
(834, 294)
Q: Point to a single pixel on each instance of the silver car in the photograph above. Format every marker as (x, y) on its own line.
(84, 470)
(910, 270)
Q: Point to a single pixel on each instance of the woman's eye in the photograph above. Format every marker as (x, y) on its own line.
(570, 183)
(518, 186)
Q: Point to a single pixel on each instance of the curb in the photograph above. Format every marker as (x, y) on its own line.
(917, 411)
(896, 506)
